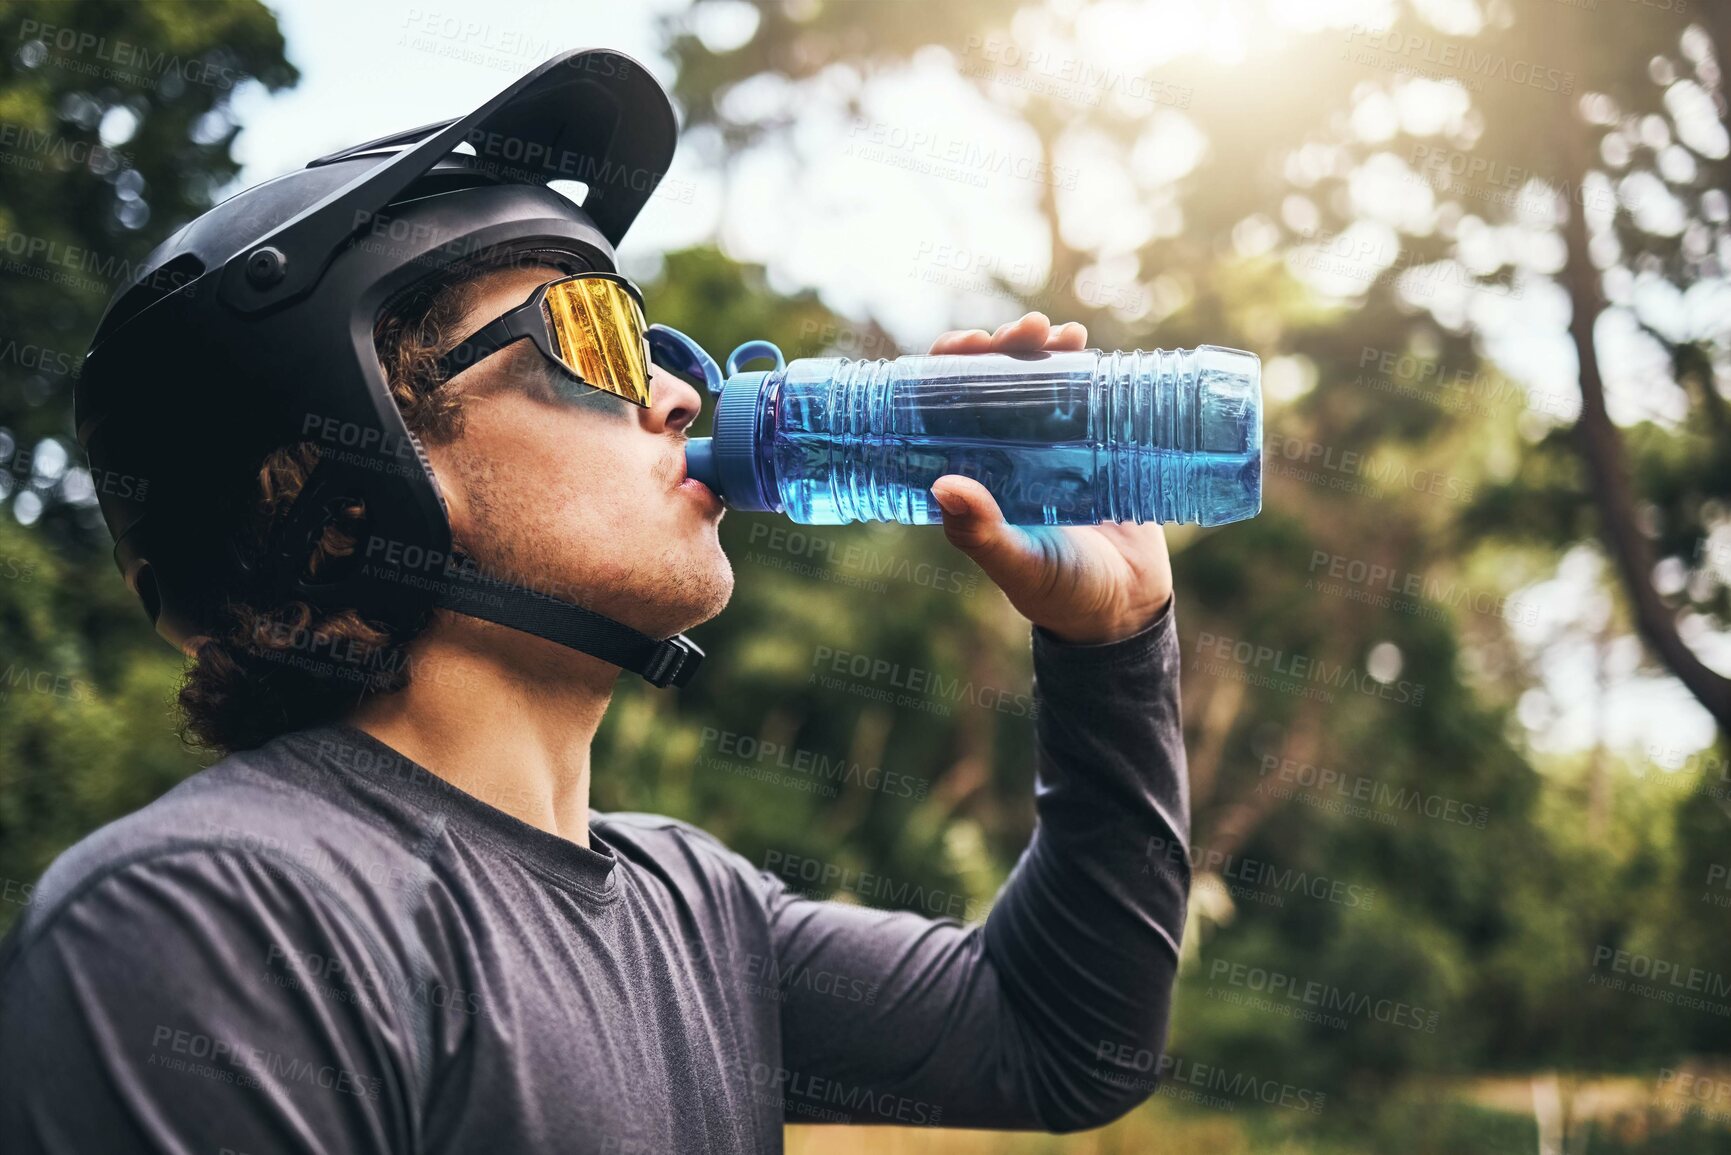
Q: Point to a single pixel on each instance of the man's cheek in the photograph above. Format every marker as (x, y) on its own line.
(619, 504)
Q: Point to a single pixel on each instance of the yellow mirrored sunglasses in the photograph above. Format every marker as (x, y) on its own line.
(589, 324)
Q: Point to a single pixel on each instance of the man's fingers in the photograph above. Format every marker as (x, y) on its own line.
(963, 341)
(1028, 334)
(1069, 336)
(1023, 336)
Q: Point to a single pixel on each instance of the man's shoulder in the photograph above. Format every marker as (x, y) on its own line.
(672, 844)
(255, 810)
(638, 829)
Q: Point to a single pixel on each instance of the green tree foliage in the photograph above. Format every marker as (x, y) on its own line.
(115, 128)
(1370, 818)
(1404, 452)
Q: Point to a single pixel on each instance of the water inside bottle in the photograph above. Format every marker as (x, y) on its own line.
(1034, 485)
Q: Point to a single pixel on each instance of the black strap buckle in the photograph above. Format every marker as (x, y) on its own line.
(674, 662)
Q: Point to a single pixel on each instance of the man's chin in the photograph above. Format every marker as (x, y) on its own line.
(710, 590)
(688, 588)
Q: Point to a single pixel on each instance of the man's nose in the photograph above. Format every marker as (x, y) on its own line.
(673, 403)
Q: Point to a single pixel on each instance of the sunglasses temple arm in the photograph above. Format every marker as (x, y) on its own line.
(492, 337)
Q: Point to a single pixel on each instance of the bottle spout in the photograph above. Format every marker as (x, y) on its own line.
(700, 462)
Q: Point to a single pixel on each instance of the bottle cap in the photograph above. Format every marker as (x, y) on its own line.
(734, 448)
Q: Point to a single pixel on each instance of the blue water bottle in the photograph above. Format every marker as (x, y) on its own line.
(1058, 438)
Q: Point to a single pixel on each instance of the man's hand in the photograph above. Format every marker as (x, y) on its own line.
(1084, 584)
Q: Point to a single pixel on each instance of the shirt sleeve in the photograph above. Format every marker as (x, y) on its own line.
(1053, 1014)
(199, 1000)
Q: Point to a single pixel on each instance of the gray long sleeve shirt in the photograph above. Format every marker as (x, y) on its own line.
(320, 946)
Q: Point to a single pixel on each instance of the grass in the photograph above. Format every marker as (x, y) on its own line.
(1479, 1118)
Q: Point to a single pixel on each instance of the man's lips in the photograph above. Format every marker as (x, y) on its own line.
(683, 481)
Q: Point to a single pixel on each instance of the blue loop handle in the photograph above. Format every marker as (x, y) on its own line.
(751, 351)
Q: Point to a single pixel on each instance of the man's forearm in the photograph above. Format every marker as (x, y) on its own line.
(1053, 1014)
(1085, 937)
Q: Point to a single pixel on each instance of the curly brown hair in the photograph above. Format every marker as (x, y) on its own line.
(274, 669)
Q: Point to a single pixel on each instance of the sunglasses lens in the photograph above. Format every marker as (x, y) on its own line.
(597, 328)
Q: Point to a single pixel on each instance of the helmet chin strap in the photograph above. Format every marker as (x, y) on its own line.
(661, 662)
(464, 588)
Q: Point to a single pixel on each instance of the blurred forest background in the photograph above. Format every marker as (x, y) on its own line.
(1482, 247)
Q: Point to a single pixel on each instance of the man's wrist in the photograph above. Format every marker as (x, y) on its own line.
(1134, 641)
(1105, 635)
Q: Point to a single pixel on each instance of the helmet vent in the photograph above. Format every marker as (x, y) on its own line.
(574, 191)
(332, 568)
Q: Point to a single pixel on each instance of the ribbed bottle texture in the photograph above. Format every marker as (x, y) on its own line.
(875, 476)
(1143, 399)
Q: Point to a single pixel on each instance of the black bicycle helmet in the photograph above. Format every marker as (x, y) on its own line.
(252, 328)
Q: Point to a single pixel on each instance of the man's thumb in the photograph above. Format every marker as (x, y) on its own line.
(975, 525)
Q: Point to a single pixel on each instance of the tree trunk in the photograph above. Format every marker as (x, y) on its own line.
(1601, 448)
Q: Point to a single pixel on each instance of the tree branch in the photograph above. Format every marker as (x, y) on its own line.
(1239, 820)
(1601, 448)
